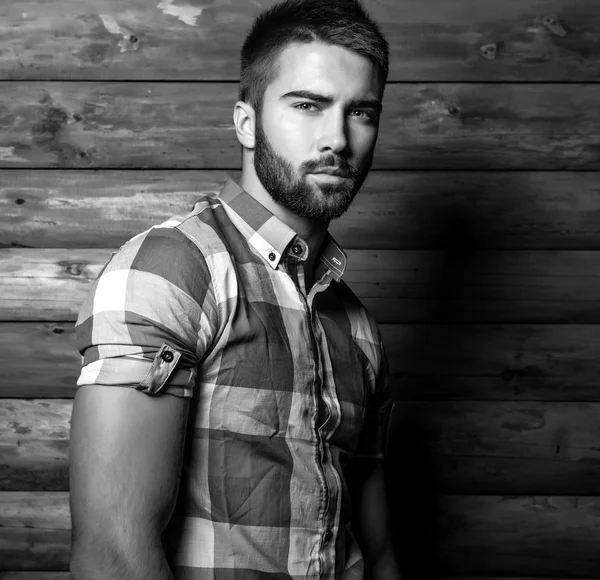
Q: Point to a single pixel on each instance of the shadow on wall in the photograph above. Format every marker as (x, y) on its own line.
(418, 478)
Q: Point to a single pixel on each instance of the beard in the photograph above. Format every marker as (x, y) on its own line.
(293, 191)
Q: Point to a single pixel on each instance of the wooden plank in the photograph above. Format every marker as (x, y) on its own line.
(473, 534)
(437, 40)
(501, 536)
(395, 210)
(520, 535)
(53, 289)
(94, 209)
(526, 362)
(118, 125)
(178, 125)
(476, 286)
(494, 362)
(502, 447)
(34, 444)
(27, 509)
(395, 285)
(509, 352)
(39, 360)
(494, 447)
(32, 549)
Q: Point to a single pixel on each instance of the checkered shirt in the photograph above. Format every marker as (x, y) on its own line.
(286, 387)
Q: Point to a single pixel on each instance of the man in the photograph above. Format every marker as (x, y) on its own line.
(231, 380)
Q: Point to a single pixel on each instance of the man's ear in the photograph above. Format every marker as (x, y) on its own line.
(244, 119)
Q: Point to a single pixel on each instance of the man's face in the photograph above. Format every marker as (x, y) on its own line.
(318, 128)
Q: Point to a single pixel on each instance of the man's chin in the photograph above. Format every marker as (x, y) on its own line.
(330, 206)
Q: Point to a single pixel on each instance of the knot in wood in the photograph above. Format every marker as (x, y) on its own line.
(489, 51)
(74, 268)
(552, 23)
(508, 376)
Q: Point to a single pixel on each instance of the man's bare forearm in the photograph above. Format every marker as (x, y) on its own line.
(373, 522)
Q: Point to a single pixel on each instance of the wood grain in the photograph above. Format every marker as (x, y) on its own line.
(34, 549)
(519, 535)
(183, 125)
(40, 360)
(483, 536)
(34, 444)
(30, 509)
(494, 362)
(37, 288)
(94, 209)
(496, 447)
(395, 285)
(437, 40)
(475, 286)
(395, 209)
(501, 447)
(475, 534)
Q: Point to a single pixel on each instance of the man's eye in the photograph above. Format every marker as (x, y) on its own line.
(309, 107)
(367, 115)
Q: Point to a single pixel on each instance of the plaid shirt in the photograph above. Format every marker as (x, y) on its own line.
(286, 386)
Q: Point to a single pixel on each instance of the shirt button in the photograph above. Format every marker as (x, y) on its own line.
(327, 537)
(297, 249)
(272, 257)
(167, 356)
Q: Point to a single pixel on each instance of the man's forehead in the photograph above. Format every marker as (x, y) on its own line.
(325, 69)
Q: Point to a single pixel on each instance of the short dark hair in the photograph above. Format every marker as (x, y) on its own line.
(342, 23)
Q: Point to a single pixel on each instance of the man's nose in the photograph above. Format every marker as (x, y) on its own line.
(334, 134)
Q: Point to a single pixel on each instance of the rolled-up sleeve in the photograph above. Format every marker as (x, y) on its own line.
(149, 317)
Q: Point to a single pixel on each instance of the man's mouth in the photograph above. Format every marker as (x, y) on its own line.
(333, 171)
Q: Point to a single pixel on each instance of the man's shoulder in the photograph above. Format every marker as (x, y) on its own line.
(184, 242)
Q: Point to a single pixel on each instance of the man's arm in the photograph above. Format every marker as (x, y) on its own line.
(372, 520)
(126, 452)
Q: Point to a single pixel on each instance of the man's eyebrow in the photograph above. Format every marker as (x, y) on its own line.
(366, 104)
(318, 98)
(308, 95)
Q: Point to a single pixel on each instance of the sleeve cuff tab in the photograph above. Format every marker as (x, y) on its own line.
(164, 364)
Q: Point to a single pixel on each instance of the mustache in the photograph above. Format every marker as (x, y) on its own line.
(314, 166)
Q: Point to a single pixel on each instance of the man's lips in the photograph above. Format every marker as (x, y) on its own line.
(332, 171)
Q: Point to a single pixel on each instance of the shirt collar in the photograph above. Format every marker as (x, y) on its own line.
(268, 235)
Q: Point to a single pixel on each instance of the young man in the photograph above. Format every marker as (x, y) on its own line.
(231, 380)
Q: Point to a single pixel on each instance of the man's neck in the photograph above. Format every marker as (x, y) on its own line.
(310, 230)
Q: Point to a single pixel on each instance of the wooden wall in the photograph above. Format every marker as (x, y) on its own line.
(476, 242)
